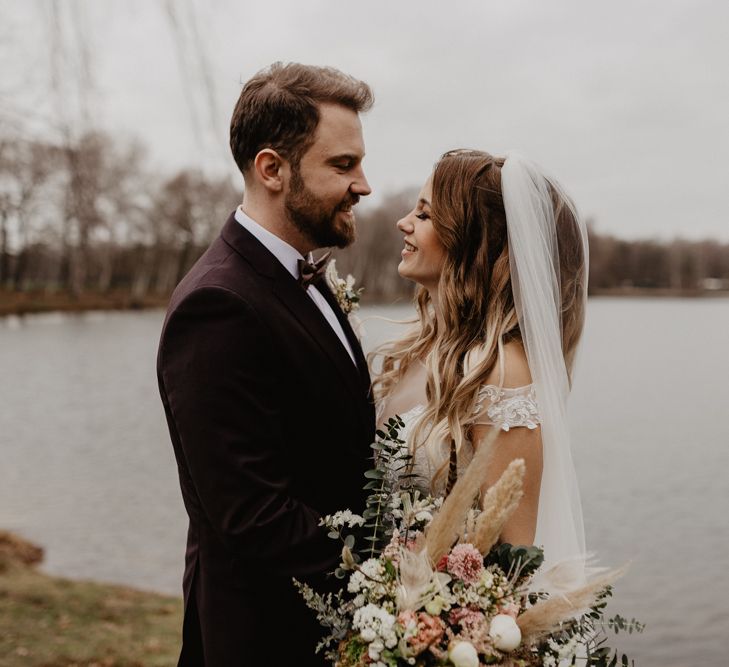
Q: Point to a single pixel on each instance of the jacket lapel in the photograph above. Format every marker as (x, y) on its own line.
(301, 306)
(354, 342)
(311, 318)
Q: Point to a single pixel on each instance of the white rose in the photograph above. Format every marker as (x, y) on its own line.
(375, 649)
(463, 654)
(504, 632)
(368, 635)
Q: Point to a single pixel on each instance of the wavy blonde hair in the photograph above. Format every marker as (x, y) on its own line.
(475, 296)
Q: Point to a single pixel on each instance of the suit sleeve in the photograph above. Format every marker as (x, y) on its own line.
(223, 394)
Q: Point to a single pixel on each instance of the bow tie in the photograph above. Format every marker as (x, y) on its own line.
(311, 272)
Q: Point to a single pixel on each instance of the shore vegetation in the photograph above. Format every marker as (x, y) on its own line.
(48, 621)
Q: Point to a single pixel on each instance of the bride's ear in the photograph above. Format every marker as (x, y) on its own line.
(270, 170)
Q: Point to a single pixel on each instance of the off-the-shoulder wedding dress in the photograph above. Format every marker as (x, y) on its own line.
(504, 407)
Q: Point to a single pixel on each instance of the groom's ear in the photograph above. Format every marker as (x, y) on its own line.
(270, 169)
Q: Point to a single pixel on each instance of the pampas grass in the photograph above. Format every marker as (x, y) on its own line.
(545, 615)
(498, 505)
(447, 525)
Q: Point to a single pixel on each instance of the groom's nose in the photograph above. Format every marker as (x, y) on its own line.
(360, 186)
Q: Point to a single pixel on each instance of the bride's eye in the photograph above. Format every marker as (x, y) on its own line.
(422, 216)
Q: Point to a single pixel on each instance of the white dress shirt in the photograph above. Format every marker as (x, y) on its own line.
(289, 258)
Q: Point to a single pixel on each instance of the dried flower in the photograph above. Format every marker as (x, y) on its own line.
(466, 562)
(429, 630)
(347, 296)
(469, 619)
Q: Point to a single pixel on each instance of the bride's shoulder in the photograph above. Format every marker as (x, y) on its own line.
(511, 369)
(506, 396)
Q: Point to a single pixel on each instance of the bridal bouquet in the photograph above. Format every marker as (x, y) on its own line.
(431, 586)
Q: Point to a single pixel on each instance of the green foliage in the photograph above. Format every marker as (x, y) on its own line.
(618, 623)
(521, 561)
(391, 460)
(353, 652)
(591, 628)
(330, 612)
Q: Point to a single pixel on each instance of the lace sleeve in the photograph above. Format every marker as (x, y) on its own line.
(507, 408)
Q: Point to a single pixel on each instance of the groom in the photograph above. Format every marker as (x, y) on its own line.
(263, 381)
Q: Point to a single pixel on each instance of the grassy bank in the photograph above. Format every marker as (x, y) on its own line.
(54, 622)
(23, 303)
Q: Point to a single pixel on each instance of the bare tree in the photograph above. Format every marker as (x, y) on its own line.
(188, 210)
(26, 168)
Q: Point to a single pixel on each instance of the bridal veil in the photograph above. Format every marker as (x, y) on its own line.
(539, 297)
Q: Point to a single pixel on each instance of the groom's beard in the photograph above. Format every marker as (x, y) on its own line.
(318, 221)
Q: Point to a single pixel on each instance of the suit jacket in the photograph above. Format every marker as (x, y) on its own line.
(271, 424)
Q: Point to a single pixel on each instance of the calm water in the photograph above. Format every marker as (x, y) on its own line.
(87, 470)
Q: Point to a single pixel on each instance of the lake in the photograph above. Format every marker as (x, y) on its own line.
(88, 470)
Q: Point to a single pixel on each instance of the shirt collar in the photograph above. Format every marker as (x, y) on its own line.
(282, 251)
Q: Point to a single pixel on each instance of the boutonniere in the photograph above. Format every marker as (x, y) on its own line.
(347, 296)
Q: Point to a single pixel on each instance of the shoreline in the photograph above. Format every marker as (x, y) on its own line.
(58, 622)
(31, 303)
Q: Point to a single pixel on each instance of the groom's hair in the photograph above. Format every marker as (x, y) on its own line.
(279, 109)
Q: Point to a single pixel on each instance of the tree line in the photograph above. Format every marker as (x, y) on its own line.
(90, 216)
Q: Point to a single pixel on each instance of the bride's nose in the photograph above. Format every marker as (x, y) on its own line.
(404, 225)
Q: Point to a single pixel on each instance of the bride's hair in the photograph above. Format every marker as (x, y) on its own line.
(475, 296)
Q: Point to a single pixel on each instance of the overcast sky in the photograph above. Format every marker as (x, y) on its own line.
(626, 102)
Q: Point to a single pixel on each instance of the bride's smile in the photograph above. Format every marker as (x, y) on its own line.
(423, 253)
(492, 347)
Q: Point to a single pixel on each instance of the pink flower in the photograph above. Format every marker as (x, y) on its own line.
(405, 618)
(466, 562)
(468, 619)
(392, 550)
(430, 630)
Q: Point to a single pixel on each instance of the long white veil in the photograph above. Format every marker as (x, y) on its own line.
(536, 284)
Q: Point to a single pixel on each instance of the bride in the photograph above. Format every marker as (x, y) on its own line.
(500, 257)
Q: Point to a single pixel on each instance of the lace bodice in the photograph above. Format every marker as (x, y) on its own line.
(506, 408)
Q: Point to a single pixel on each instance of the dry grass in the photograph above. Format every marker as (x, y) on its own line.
(53, 622)
(13, 547)
(500, 502)
(449, 522)
(545, 615)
